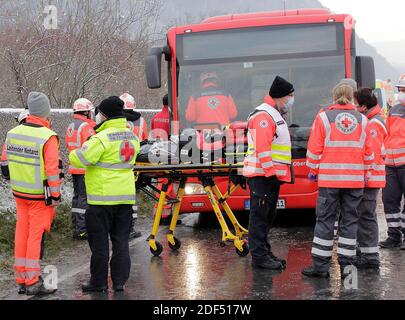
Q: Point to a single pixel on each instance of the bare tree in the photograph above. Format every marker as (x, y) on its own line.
(98, 49)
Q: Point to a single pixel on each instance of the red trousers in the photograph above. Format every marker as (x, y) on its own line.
(33, 219)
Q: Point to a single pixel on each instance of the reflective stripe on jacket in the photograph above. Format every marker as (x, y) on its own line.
(77, 133)
(269, 140)
(109, 158)
(377, 130)
(139, 128)
(339, 149)
(395, 141)
(33, 157)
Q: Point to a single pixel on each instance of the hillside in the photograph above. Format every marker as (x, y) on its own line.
(178, 12)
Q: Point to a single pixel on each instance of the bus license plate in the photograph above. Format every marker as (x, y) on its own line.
(280, 204)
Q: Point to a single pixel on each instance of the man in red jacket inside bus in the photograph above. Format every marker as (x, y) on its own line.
(160, 124)
(212, 104)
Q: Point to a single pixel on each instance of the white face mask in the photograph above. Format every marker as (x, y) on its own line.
(289, 104)
(100, 118)
(401, 97)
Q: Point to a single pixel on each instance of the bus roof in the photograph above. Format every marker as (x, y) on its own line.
(270, 14)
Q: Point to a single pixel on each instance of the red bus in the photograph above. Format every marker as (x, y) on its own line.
(314, 49)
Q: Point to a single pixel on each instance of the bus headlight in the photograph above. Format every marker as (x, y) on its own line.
(194, 188)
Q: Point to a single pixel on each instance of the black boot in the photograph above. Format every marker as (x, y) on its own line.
(268, 264)
(38, 289)
(313, 273)
(88, 287)
(22, 289)
(390, 244)
(134, 234)
(282, 261)
(118, 288)
(363, 263)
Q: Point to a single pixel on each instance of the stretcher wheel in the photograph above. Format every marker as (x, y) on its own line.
(245, 250)
(158, 251)
(176, 246)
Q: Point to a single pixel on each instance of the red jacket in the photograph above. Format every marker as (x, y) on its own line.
(377, 130)
(395, 141)
(339, 149)
(77, 133)
(211, 105)
(160, 125)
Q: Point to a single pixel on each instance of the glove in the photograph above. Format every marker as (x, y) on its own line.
(313, 177)
(56, 201)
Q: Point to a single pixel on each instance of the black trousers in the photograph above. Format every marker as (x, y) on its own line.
(79, 205)
(113, 221)
(264, 194)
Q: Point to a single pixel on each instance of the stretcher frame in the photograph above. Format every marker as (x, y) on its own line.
(205, 174)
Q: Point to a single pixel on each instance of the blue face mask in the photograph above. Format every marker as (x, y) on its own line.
(289, 105)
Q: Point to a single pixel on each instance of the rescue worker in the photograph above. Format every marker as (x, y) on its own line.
(395, 172)
(160, 129)
(109, 158)
(33, 159)
(266, 166)
(138, 125)
(353, 84)
(135, 121)
(339, 150)
(367, 234)
(21, 119)
(212, 105)
(160, 124)
(77, 133)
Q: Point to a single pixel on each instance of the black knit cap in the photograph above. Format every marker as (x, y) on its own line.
(112, 107)
(280, 88)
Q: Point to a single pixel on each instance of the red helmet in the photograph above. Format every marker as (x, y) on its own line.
(129, 101)
(208, 75)
(83, 104)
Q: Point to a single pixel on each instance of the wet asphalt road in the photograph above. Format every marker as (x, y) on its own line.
(201, 269)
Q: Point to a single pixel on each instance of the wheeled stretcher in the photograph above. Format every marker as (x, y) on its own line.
(180, 174)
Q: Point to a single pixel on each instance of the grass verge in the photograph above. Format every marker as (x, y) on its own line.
(59, 238)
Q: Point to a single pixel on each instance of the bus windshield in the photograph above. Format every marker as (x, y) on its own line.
(224, 75)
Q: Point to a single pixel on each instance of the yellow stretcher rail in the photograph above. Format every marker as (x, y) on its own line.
(206, 174)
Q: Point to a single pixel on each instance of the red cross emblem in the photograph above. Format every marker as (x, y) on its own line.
(127, 151)
(347, 123)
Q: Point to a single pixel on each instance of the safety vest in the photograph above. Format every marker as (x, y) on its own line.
(25, 154)
(337, 148)
(138, 127)
(395, 141)
(378, 131)
(77, 133)
(277, 159)
(109, 178)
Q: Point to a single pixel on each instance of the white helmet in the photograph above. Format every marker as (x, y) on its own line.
(22, 116)
(401, 82)
(83, 104)
(129, 101)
